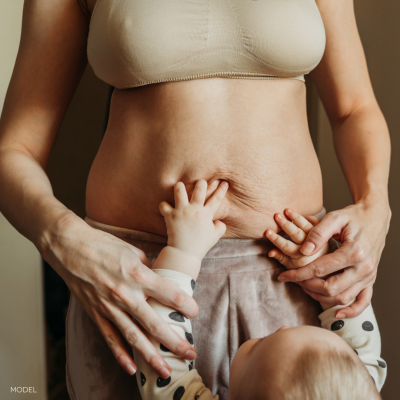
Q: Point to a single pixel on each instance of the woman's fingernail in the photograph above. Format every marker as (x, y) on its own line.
(278, 216)
(282, 278)
(225, 183)
(190, 355)
(164, 372)
(130, 369)
(340, 315)
(307, 248)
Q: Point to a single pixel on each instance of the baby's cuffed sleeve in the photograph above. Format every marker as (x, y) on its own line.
(362, 334)
(184, 382)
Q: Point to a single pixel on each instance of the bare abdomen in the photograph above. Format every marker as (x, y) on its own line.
(252, 133)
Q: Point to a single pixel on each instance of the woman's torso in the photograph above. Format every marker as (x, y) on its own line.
(252, 133)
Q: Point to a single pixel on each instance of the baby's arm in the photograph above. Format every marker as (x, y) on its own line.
(360, 333)
(191, 233)
(190, 228)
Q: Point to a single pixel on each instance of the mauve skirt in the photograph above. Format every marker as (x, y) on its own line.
(239, 297)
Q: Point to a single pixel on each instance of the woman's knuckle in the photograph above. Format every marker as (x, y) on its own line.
(140, 253)
(342, 299)
(179, 300)
(180, 347)
(153, 360)
(118, 292)
(331, 290)
(156, 328)
(319, 271)
(138, 275)
(358, 254)
(132, 338)
(333, 215)
(368, 269)
(356, 312)
(317, 233)
(110, 340)
(134, 308)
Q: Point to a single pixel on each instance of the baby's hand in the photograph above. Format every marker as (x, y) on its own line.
(190, 225)
(288, 253)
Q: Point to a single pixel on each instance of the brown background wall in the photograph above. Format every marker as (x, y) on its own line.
(82, 130)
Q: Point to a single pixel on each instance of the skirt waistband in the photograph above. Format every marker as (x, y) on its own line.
(224, 248)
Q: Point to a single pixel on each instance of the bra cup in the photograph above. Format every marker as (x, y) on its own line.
(286, 35)
(108, 60)
(149, 35)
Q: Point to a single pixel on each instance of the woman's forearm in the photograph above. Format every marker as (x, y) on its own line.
(362, 144)
(98, 268)
(27, 199)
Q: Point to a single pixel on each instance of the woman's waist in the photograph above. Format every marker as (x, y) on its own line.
(227, 256)
(131, 200)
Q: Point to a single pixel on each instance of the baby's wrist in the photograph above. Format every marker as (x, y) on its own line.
(183, 255)
(175, 259)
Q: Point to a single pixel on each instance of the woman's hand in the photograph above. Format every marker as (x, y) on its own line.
(362, 229)
(112, 280)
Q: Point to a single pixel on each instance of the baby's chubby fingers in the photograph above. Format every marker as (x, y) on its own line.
(296, 234)
(199, 193)
(217, 197)
(313, 219)
(285, 260)
(220, 228)
(286, 246)
(165, 208)
(304, 223)
(180, 195)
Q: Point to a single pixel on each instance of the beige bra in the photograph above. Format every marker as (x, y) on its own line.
(138, 42)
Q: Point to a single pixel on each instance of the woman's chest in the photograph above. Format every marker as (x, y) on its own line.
(145, 41)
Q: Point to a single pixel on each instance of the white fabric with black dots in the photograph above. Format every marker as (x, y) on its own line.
(362, 334)
(184, 383)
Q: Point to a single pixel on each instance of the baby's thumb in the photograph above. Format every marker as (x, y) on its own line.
(220, 228)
